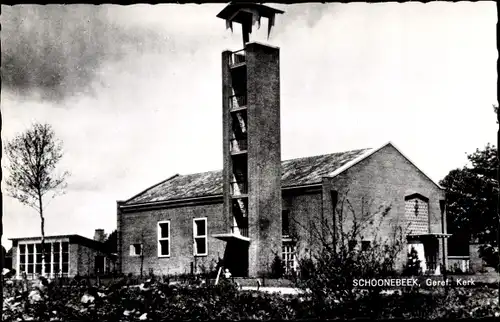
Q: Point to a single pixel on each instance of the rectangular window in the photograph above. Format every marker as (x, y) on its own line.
(57, 259)
(164, 238)
(135, 249)
(31, 258)
(200, 236)
(65, 258)
(365, 245)
(285, 223)
(335, 198)
(48, 260)
(288, 256)
(22, 258)
(38, 258)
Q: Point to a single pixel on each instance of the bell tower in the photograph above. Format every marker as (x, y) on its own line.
(251, 145)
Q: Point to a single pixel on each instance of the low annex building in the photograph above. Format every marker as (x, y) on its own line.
(67, 256)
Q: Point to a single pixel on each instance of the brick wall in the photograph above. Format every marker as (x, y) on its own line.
(86, 259)
(14, 256)
(384, 179)
(73, 259)
(477, 264)
(264, 156)
(135, 224)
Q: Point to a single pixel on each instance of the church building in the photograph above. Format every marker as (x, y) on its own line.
(259, 206)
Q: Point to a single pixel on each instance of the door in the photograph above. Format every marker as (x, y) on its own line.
(99, 265)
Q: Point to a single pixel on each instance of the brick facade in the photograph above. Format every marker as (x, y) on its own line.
(141, 227)
(384, 178)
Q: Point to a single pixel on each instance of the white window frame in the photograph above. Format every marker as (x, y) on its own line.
(52, 272)
(289, 248)
(195, 236)
(134, 254)
(167, 238)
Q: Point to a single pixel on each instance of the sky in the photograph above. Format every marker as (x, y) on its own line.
(134, 92)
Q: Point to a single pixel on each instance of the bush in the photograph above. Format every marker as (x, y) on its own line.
(329, 271)
(413, 264)
(277, 267)
(156, 301)
(490, 255)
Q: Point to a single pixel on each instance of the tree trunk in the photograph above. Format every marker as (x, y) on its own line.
(2, 264)
(498, 201)
(42, 226)
(142, 261)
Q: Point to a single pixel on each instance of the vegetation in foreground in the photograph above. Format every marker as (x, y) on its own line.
(158, 301)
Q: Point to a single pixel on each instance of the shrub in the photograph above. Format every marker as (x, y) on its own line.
(277, 267)
(156, 301)
(413, 264)
(490, 255)
(328, 273)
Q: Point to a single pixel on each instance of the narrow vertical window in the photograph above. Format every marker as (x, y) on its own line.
(335, 197)
(38, 258)
(22, 258)
(65, 259)
(57, 259)
(288, 252)
(47, 260)
(164, 238)
(200, 236)
(31, 255)
(285, 223)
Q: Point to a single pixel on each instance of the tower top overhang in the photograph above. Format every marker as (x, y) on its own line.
(237, 11)
(247, 14)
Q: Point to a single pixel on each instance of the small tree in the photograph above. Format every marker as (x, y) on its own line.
(277, 267)
(413, 265)
(33, 157)
(329, 270)
(111, 242)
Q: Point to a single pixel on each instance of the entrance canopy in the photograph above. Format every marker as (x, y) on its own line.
(427, 236)
(231, 236)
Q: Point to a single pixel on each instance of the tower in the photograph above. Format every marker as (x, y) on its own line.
(251, 146)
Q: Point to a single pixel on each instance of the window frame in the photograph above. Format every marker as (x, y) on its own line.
(134, 254)
(285, 227)
(54, 261)
(159, 230)
(289, 249)
(195, 236)
(366, 245)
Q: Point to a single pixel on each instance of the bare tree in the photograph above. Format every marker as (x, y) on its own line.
(337, 257)
(33, 157)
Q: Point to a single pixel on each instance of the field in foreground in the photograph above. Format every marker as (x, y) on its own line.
(155, 301)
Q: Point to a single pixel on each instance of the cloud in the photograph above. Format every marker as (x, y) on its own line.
(55, 51)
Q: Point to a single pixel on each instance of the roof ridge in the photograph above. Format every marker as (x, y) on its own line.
(320, 155)
(200, 178)
(193, 173)
(293, 159)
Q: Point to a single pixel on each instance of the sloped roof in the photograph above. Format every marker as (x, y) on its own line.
(72, 238)
(301, 171)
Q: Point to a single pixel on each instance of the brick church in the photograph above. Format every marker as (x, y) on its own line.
(258, 206)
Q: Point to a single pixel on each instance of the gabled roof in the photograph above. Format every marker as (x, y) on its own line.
(295, 172)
